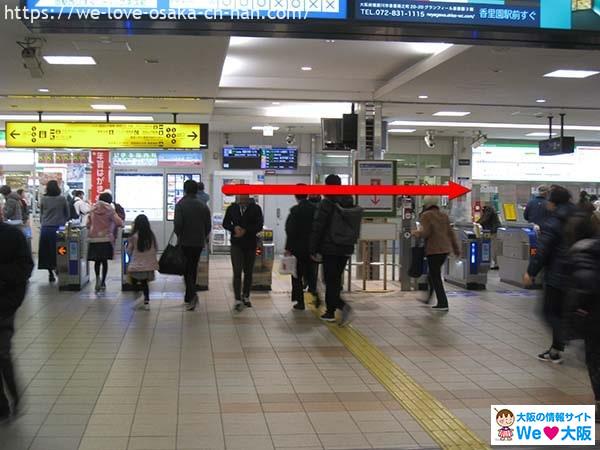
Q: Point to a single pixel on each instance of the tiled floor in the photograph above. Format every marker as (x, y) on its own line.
(98, 374)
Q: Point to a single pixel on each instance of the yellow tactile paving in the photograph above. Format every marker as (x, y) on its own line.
(447, 430)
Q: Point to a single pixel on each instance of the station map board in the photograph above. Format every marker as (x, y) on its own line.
(103, 135)
(376, 173)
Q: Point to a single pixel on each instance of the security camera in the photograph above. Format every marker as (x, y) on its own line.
(429, 139)
(479, 140)
(290, 139)
(31, 62)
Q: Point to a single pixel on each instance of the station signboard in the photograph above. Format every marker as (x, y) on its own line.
(382, 173)
(103, 135)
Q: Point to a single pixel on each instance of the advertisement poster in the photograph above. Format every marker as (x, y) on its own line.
(100, 173)
(75, 176)
(175, 190)
(180, 159)
(380, 173)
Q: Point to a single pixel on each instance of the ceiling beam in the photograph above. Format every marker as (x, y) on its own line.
(417, 70)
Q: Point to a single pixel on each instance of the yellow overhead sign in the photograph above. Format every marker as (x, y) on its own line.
(103, 135)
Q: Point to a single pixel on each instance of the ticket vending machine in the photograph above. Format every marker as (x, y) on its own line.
(471, 268)
(72, 266)
(263, 265)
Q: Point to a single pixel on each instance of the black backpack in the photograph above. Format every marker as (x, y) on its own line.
(72, 211)
(345, 225)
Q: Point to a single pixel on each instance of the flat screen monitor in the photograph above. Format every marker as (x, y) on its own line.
(141, 194)
(242, 158)
(279, 158)
(175, 190)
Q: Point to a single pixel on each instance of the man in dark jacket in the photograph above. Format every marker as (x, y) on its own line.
(536, 210)
(243, 219)
(15, 269)
(192, 227)
(298, 227)
(12, 208)
(334, 257)
(552, 252)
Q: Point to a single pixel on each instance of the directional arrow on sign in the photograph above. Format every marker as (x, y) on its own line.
(62, 251)
(194, 135)
(375, 200)
(452, 190)
(14, 134)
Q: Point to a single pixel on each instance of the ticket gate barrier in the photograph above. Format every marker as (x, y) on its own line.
(72, 266)
(471, 268)
(516, 244)
(262, 276)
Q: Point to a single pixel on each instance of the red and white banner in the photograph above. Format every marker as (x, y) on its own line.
(100, 173)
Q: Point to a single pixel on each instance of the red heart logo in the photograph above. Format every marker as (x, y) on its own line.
(551, 432)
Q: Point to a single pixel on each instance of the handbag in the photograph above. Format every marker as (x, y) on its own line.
(417, 257)
(288, 266)
(172, 261)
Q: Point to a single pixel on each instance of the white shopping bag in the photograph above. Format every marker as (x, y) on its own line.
(287, 266)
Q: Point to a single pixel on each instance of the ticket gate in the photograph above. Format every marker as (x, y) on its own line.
(263, 265)
(471, 268)
(72, 266)
(516, 244)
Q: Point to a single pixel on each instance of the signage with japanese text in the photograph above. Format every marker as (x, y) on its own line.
(376, 173)
(100, 173)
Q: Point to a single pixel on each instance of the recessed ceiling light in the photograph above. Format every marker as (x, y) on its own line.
(567, 73)
(262, 127)
(238, 41)
(109, 107)
(73, 118)
(71, 60)
(423, 97)
(276, 103)
(540, 100)
(451, 113)
(539, 134)
(428, 48)
(402, 130)
(306, 68)
(43, 90)
(330, 41)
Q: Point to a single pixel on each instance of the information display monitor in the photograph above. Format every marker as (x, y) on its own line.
(242, 158)
(141, 194)
(175, 190)
(276, 158)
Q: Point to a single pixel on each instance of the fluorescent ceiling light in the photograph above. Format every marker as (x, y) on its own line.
(276, 103)
(262, 127)
(564, 73)
(71, 60)
(43, 90)
(310, 110)
(23, 117)
(540, 100)
(131, 118)
(451, 113)
(109, 107)
(428, 48)
(72, 118)
(423, 97)
(306, 68)
(487, 125)
(402, 130)
(337, 156)
(539, 134)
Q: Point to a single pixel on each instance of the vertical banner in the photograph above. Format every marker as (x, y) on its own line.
(100, 173)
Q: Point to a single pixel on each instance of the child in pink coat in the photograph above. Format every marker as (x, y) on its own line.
(141, 249)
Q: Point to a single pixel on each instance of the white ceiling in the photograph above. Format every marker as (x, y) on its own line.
(496, 85)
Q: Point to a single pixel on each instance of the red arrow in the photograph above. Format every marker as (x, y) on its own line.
(452, 190)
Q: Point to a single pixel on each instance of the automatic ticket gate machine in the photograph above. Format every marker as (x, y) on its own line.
(263, 265)
(72, 266)
(516, 244)
(470, 269)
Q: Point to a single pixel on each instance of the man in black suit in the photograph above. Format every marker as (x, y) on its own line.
(243, 219)
(298, 227)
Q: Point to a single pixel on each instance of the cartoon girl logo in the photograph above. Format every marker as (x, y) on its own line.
(505, 420)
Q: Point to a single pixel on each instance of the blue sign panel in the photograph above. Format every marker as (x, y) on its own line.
(493, 13)
(189, 9)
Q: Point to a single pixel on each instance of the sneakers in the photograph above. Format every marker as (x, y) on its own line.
(146, 305)
(299, 306)
(191, 305)
(439, 308)
(328, 317)
(51, 277)
(347, 315)
(551, 355)
(238, 306)
(246, 301)
(98, 285)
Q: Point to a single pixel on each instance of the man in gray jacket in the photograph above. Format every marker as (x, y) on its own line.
(192, 227)
(12, 207)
